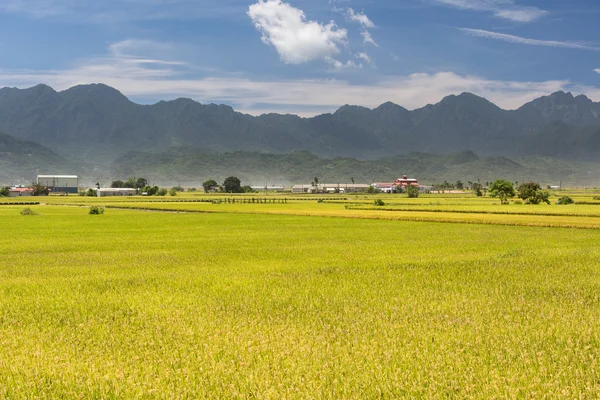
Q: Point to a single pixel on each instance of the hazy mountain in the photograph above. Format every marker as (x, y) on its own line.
(189, 167)
(20, 159)
(98, 123)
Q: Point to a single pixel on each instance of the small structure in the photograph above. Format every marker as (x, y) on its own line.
(405, 182)
(272, 188)
(385, 187)
(106, 192)
(20, 191)
(59, 183)
(330, 188)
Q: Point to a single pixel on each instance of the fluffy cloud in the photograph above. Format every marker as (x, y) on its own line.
(521, 40)
(506, 9)
(296, 39)
(597, 70)
(365, 23)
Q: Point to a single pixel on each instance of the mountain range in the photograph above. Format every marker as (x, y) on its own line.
(98, 123)
(96, 128)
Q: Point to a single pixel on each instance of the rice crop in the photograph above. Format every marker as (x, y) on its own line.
(240, 305)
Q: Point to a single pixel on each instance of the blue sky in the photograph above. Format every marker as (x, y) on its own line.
(305, 56)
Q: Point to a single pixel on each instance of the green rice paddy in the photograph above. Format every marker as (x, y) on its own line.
(444, 296)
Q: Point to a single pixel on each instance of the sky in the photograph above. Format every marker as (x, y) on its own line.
(305, 57)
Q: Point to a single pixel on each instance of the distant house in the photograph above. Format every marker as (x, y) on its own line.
(272, 188)
(19, 192)
(405, 181)
(385, 187)
(330, 188)
(106, 192)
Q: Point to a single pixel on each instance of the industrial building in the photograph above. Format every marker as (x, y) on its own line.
(20, 191)
(59, 183)
(330, 188)
(106, 192)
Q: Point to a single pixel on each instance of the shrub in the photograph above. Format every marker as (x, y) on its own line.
(162, 192)
(412, 191)
(95, 210)
(91, 192)
(565, 200)
(28, 211)
(379, 202)
(173, 192)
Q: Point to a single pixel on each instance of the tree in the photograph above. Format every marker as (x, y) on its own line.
(503, 190)
(232, 185)
(173, 192)
(412, 191)
(460, 185)
(532, 193)
(565, 200)
(140, 183)
(4, 191)
(477, 189)
(117, 184)
(150, 190)
(39, 189)
(247, 189)
(91, 192)
(162, 192)
(372, 190)
(209, 185)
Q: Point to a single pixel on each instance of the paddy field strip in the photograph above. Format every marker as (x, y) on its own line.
(257, 300)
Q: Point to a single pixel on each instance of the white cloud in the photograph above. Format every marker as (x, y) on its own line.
(365, 23)
(532, 42)
(365, 57)
(506, 9)
(597, 70)
(361, 18)
(295, 39)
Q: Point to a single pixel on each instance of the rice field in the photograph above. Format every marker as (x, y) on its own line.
(436, 297)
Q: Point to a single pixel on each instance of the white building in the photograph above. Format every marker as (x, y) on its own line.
(106, 192)
(59, 183)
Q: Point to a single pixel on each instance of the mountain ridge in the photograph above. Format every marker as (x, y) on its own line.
(97, 122)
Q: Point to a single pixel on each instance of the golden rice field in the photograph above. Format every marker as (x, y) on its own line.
(444, 296)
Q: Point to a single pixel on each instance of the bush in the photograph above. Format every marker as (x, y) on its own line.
(379, 202)
(95, 210)
(4, 191)
(565, 200)
(28, 211)
(162, 192)
(412, 191)
(173, 192)
(91, 192)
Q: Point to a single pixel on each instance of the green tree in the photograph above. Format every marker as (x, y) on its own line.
(91, 192)
(232, 185)
(565, 200)
(532, 193)
(39, 189)
(209, 185)
(459, 185)
(173, 192)
(162, 192)
(4, 191)
(117, 184)
(412, 191)
(502, 189)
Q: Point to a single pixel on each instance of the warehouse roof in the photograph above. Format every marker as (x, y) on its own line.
(58, 176)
